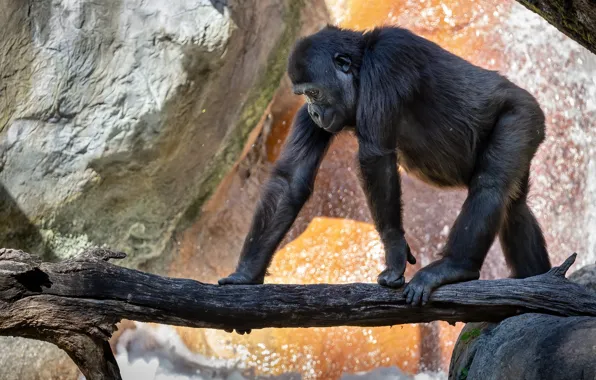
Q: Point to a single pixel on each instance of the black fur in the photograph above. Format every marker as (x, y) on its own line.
(441, 118)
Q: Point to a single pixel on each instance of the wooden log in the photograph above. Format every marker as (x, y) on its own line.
(76, 303)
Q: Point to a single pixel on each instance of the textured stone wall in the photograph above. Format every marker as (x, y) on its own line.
(119, 117)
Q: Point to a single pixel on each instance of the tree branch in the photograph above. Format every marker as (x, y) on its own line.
(75, 304)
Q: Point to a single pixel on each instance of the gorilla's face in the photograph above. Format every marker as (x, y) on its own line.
(328, 80)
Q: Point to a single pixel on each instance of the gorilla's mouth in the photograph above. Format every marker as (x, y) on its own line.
(332, 126)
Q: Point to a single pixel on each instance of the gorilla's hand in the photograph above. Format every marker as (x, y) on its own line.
(241, 278)
(397, 255)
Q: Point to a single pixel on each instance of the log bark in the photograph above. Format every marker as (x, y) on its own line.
(75, 304)
(575, 18)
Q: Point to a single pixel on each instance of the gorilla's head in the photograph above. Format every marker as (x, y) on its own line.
(324, 67)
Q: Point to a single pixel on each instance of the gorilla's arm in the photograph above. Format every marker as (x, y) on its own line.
(379, 108)
(381, 184)
(287, 190)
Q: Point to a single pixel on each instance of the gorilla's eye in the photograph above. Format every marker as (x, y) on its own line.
(343, 62)
(312, 93)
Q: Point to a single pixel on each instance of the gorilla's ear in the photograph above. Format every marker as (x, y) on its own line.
(343, 62)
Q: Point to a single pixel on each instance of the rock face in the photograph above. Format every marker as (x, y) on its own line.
(118, 118)
(585, 276)
(529, 346)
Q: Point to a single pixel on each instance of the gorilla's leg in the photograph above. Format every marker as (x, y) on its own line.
(499, 175)
(521, 238)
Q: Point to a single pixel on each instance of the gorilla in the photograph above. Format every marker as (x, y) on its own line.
(446, 121)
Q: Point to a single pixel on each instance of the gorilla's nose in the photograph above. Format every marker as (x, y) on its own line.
(316, 114)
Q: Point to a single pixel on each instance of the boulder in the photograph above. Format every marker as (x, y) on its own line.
(585, 276)
(529, 346)
(120, 117)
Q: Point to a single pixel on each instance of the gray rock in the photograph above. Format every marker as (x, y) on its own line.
(585, 276)
(119, 117)
(29, 359)
(529, 346)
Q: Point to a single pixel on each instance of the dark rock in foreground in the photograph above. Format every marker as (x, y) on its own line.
(529, 346)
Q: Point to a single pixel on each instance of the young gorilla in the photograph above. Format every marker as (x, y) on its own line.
(444, 120)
